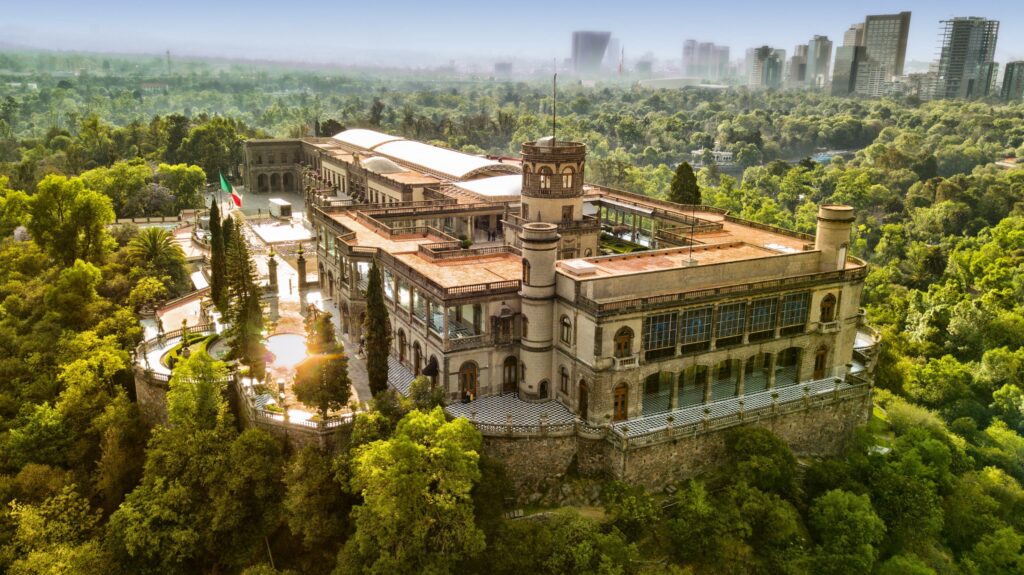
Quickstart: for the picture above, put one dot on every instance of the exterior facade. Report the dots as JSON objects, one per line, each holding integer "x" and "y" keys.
{"x": 1013, "y": 82}
{"x": 848, "y": 61}
{"x": 819, "y": 61}
{"x": 716, "y": 309}
{"x": 588, "y": 49}
{"x": 885, "y": 43}
{"x": 765, "y": 67}
{"x": 705, "y": 60}
{"x": 966, "y": 66}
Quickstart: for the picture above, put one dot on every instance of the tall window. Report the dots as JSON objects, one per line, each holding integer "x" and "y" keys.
{"x": 820, "y": 362}
{"x": 566, "y": 329}
{"x": 526, "y": 272}
{"x": 624, "y": 342}
{"x": 468, "y": 378}
{"x": 696, "y": 329}
{"x": 794, "y": 308}
{"x": 566, "y": 213}
{"x": 762, "y": 318}
{"x": 620, "y": 406}
{"x": 564, "y": 380}
{"x": 659, "y": 335}
{"x": 567, "y": 178}
{"x": 731, "y": 320}
{"x": 545, "y": 178}
{"x": 509, "y": 377}
{"x": 828, "y": 308}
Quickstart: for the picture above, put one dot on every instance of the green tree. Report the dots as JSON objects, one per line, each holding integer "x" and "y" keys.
{"x": 158, "y": 255}
{"x": 218, "y": 261}
{"x": 69, "y": 220}
{"x": 245, "y": 312}
{"x": 315, "y": 504}
{"x": 417, "y": 511}
{"x": 185, "y": 182}
{"x": 377, "y": 329}
{"x": 321, "y": 380}
{"x": 684, "y": 188}
{"x": 631, "y": 509}
{"x": 847, "y": 530}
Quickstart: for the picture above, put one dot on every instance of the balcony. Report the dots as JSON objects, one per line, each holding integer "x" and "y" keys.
{"x": 828, "y": 326}
{"x": 629, "y": 362}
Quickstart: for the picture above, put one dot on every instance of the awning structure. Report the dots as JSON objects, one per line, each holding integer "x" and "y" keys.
{"x": 624, "y": 206}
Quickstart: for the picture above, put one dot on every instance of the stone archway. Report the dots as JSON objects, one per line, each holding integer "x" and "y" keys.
{"x": 275, "y": 182}
{"x": 262, "y": 184}
{"x": 288, "y": 182}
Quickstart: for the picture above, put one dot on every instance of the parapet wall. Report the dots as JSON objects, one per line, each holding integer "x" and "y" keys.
{"x": 536, "y": 463}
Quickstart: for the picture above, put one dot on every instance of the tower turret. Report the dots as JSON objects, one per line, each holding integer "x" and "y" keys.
{"x": 540, "y": 247}
{"x": 553, "y": 181}
{"x": 833, "y": 235}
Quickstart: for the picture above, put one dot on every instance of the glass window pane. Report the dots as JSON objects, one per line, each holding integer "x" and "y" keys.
{"x": 660, "y": 331}
{"x": 696, "y": 325}
{"x": 731, "y": 319}
{"x": 762, "y": 314}
{"x": 794, "y": 309}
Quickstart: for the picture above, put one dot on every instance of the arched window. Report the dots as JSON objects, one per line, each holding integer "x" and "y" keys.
{"x": 468, "y": 379}
{"x": 417, "y": 358}
{"x": 526, "y": 272}
{"x": 620, "y": 402}
{"x": 545, "y": 178}
{"x": 563, "y": 377}
{"x": 587, "y": 253}
{"x": 526, "y": 328}
{"x": 543, "y": 393}
{"x": 401, "y": 345}
{"x": 820, "y": 363}
{"x": 259, "y": 158}
{"x": 567, "y": 175}
{"x": 828, "y": 308}
{"x": 566, "y": 329}
{"x": 624, "y": 342}
{"x": 509, "y": 377}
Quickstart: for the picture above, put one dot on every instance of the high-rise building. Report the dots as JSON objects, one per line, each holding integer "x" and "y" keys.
{"x": 588, "y": 50}
{"x": 1013, "y": 82}
{"x": 966, "y": 67}
{"x": 885, "y": 40}
{"x": 854, "y": 36}
{"x": 844, "y": 75}
{"x": 819, "y": 58}
{"x": 612, "y": 54}
{"x": 765, "y": 66}
{"x": 705, "y": 60}
{"x": 797, "y": 76}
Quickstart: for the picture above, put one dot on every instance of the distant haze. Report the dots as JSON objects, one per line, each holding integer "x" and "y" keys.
{"x": 411, "y": 33}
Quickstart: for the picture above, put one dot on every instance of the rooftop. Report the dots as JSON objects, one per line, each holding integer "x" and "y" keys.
{"x": 672, "y": 258}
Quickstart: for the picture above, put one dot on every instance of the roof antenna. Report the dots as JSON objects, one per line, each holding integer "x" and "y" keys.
{"x": 554, "y": 103}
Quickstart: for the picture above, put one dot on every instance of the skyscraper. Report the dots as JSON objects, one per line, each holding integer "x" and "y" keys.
{"x": 885, "y": 41}
{"x": 854, "y": 36}
{"x": 588, "y": 50}
{"x": 765, "y": 66}
{"x": 798, "y": 67}
{"x": 819, "y": 58}
{"x": 966, "y": 67}
{"x": 1013, "y": 82}
{"x": 705, "y": 60}
{"x": 844, "y": 75}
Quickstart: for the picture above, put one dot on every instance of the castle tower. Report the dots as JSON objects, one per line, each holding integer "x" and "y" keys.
{"x": 833, "y": 235}
{"x": 552, "y": 192}
{"x": 539, "y": 245}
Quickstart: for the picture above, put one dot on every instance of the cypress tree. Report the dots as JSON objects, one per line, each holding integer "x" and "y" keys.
{"x": 684, "y": 188}
{"x": 378, "y": 333}
{"x": 217, "y": 263}
{"x": 244, "y": 311}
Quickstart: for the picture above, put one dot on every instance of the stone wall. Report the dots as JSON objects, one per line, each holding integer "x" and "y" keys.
{"x": 536, "y": 464}
{"x": 151, "y": 398}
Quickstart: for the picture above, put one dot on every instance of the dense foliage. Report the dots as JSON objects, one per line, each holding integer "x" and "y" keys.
{"x": 931, "y": 485}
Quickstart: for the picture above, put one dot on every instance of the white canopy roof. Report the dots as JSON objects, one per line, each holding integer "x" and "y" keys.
{"x": 438, "y": 160}
{"x": 364, "y": 138}
{"x": 494, "y": 187}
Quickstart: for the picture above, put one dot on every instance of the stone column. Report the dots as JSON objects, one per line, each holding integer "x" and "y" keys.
{"x": 740, "y": 377}
{"x": 301, "y": 265}
{"x": 771, "y": 370}
{"x": 673, "y": 399}
{"x": 272, "y": 268}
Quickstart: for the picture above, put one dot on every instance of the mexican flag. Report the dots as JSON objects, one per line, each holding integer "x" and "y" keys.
{"x": 235, "y": 197}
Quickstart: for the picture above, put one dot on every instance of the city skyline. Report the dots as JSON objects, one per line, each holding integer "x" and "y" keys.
{"x": 264, "y": 30}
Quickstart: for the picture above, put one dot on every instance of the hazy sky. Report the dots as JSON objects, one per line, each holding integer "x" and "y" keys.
{"x": 374, "y": 30}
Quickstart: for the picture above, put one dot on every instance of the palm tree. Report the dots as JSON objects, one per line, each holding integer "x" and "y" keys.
{"x": 155, "y": 251}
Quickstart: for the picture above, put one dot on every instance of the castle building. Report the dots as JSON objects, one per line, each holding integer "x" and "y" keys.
{"x": 513, "y": 282}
